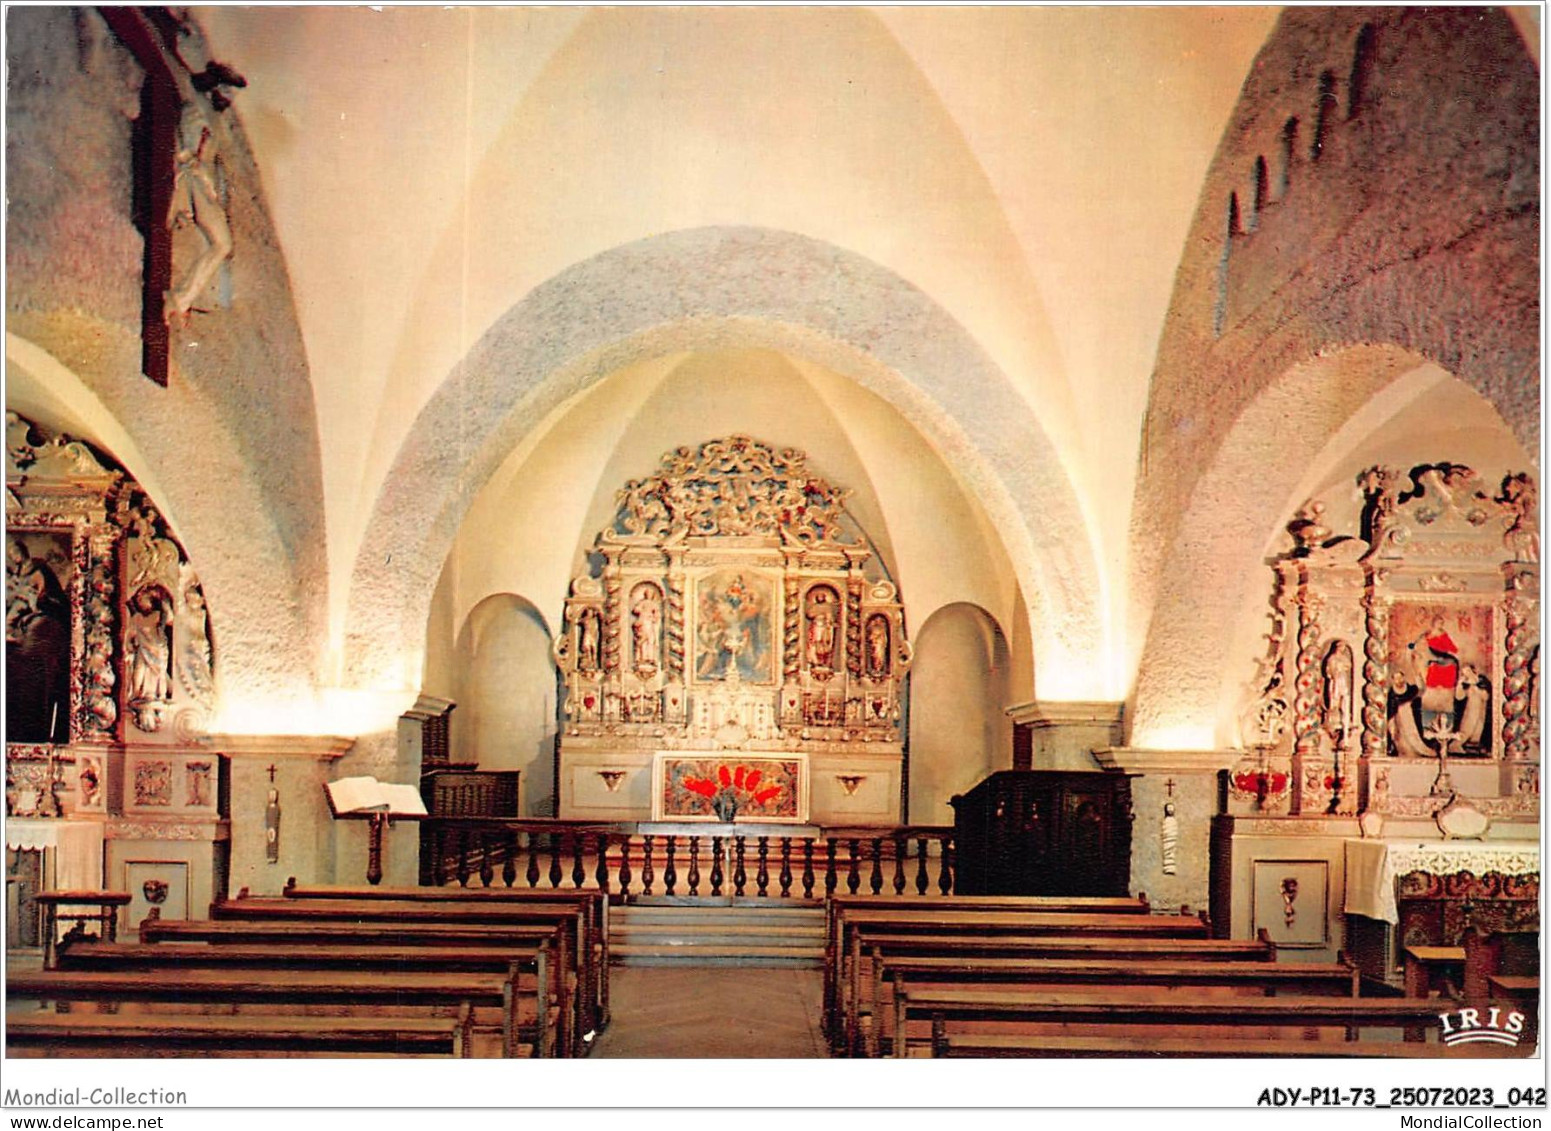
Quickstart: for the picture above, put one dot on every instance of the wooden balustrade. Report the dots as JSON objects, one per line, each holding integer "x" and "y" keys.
{"x": 763, "y": 861}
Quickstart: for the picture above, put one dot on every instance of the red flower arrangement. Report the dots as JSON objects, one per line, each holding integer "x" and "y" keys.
{"x": 733, "y": 788}
{"x": 1260, "y": 783}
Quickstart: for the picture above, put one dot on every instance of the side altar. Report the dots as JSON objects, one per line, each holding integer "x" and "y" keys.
{"x": 736, "y": 624}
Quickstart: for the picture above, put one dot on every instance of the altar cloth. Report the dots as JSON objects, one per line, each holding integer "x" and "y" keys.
{"x": 77, "y": 847}
{"x": 1373, "y": 866}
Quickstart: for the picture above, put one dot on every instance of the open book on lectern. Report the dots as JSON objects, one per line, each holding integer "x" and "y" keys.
{"x": 368, "y": 795}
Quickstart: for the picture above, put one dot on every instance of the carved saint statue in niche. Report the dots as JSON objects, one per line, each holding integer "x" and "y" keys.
{"x": 822, "y": 605}
{"x": 587, "y": 641}
{"x": 1168, "y": 840}
{"x": 1338, "y": 691}
{"x": 149, "y": 650}
{"x": 646, "y": 627}
{"x": 878, "y": 646}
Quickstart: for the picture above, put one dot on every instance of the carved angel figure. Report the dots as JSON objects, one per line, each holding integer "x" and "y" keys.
{"x": 1523, "y": 537}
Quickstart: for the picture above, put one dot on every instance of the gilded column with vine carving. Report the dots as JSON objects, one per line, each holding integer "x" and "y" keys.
{"x": 1375, "y": 666}
{"x": 612, "y": 602}
{"x": 1519, "y": 646}
{"x": 675, "y": 627}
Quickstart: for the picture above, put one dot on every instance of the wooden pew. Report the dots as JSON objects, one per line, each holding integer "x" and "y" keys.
{"x": 472, "y": 912}
{"x": 1338, "y": 979}
{"x": 1295, "y": 1014}
{"x": 418, "y": 992}
{"x": 595, "y": 902}
{"x": 1064, "y": 1047}
{"x": 33, "y": 1033}
{"x": 837, "y": 905}
{"x": 843, "y": 962}
{"x": 530, "y": 968}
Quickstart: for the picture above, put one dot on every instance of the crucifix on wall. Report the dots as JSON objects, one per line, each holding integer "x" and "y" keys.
{"x": 177, "y": 142}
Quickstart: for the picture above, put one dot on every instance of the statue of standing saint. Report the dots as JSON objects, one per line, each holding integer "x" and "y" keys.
{"x": 1168, "y": 839}
{"x": 645, "y": 630}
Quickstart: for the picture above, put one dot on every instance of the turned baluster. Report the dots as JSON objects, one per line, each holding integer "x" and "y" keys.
{"x": 648, "y": 874}
{"x": 854, "y": 876}
{"x": 486, "y": 865}
{"x": 532, "y": 874}
{"x": 463, "y": 857}
{"x": 875, "y": 881}
{"x": 807, "y": 867}
{"x": 901, "y": 856}
{"x": 509, "y": 863}
{"x": 829, "y": 866}
{"x": 578, "y": 869}
{"x": 945, "y": 877}
{"x": 624, "y": 865}
{"x": 601, "y": 843}
{"x": 694, "y": 865}
{"x": 921, "y": 865}
{"x": 716, "y": 865}
{"x": 762, "y": 877}
{"x": 739, "y": 876}
{"x": 786, "y": 867}
{"x": 555, "y": 871}
{"x": 670, "y": 874}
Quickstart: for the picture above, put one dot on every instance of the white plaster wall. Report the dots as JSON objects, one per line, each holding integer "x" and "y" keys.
{"x": 506, "y": 697}
{"x": 958, "y": 692}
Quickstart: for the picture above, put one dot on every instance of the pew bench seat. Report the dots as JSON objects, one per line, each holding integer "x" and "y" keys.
{"x": 1022, "y": 1045}
{"x": 867, "y": 1019}
{"x": 37, "y": 1032}
{"x": 379, "y": 992}
{"x": 1175, "y": 1015}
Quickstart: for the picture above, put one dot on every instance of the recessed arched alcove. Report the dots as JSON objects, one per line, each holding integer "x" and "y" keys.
{"x": 1305, "y": 435}
{"x": 504, "y": 684}
{"x": 958, "y": 695}
{"x": 716, "y": 288}
{"x": 534, "y": 527}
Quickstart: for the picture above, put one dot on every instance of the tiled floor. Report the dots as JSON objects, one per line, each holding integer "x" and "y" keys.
{"x": 713, "y": 1011}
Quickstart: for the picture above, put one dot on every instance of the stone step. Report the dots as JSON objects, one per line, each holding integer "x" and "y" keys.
{"x": 648, "y": 917}
{"x": 637, "y": 954}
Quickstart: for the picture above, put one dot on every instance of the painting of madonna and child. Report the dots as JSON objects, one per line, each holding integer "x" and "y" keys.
{"x": 1440, "y": 691}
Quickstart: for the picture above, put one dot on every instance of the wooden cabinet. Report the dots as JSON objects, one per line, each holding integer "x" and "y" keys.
{"x": 1044, "y": 832}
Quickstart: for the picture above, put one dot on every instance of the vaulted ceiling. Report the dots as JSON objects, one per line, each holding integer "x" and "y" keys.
{"x": 1033, "y": 170}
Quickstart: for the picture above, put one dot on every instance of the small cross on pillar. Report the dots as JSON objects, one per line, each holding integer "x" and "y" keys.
{"x": 1169, "y": 785}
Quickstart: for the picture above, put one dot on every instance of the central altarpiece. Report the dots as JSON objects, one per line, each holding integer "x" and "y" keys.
{"x": 736, "y": 627}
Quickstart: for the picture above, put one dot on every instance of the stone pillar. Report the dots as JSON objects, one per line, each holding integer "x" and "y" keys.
{"x": 1062, "y": 735}
{"x": 1187, "y": 781}
{"x": 302, "y": 763}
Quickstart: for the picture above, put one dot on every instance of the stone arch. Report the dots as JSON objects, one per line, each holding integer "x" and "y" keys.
{"x": 504, "y": 684}
{"x": 959, "y": 684}
{"x": 708, "y": 287}
{"x": 1416, "y": 224}
{"x": 1294, "y": 432}
{"x": 265, "y": 646}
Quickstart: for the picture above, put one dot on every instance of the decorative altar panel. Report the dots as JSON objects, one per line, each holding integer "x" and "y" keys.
{"x": 1400, "y": 679}
{"x": 735, "y": 607}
